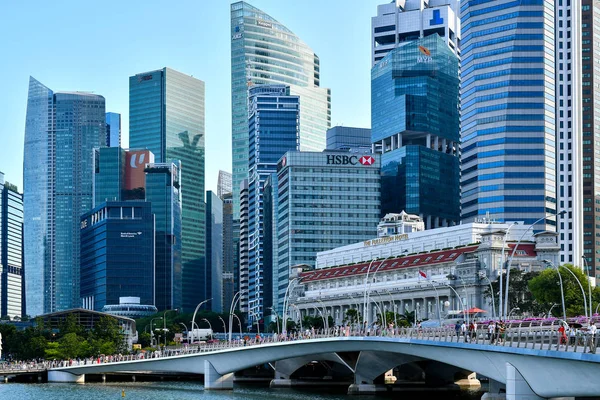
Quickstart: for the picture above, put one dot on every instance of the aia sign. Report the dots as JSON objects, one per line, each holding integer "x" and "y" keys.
{"x": 349, "y": 160}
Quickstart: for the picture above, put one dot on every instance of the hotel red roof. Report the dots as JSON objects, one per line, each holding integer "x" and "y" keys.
{"x": 416, "y": 260}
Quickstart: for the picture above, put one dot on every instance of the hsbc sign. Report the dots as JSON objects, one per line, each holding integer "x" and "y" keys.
{"x": 349, "y": 160}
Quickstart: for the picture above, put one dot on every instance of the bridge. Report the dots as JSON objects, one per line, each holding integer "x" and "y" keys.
{"x": 527, "y": 364}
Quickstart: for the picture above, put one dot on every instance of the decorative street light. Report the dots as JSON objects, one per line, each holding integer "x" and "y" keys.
{"x": 582, "y": 291}
{"x": 453, "y": 278}
{"x": 224, "y": 327}
{"x": 299, "y": 315}
{"x": 186, "y": 331}
{"x": 194, "y": 317}
{"x": 365, "y": 305}
{"x": 236, "y": 298}
{"x": 152, "y": 331}
{"x": 456, "y": 293}
{"x": 165, "y": 330}
{"x": 563, "y": 212}
{"x": 587, "y": 268}
{"x": 550, "y": 310}
{"x": 286, "y": 300}
{"x": 562, "y": 293}
{"x": 208, "y": 322}
{"x": 502, "y": 268}
{"x": 239, "y": 323}
{"x": 513, "y": 309}
{"x": 482, "y": 275}
{"x": 276, "y": 317}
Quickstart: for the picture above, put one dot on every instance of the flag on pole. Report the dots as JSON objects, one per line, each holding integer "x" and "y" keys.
{"x": 423, "y": 274}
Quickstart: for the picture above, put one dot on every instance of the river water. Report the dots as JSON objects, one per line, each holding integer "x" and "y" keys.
{"x": 182, "y": 391}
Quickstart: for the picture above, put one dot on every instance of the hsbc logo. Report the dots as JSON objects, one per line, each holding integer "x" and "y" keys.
{"x": 366, "y": 160}
{"x": 349, "y": 160}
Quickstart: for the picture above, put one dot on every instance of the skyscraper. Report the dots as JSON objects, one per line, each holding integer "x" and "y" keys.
{"x": 508, "y": 111}
{"x": 213, "y": 279}
{"x": 230, "y": 263}
{"x": 274, "y": 128}
{"x": 163, "y": 192}
{"x": 113, "y": 129}
{"x": 11, "y": 251}
{"x": 265, "y": 51}
{"x": 407, "y": 20}
{"x": 415, "y": 125}
{"x": 590, "y": 52}
{"x": 345, "y": 138}
{"x": 166, "y": 116}
{"x": 242, "y": 285}
{"x": 61, "y": 130}
{"x": 224, "y": 184}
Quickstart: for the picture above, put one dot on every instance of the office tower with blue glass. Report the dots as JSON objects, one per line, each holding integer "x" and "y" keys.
{"x": 345, "y": 138}
{"x": 415, "y": 126}
{"x": 508, "y": 114}
{"x": 117, "y": 254}
{"x": 61, "y": 131}
{"x": 113, "y": 129}
{"x": 166, "y": 116}
{"x": 163, "y": 192}
{"x": 230, "y": 254}
{"x": 324, "y": 200}
{"x": 213, "y": 273}
{"x": 243, "y": 285}
{"x": 274, "y": 129}
{"x": 406, "y": 20}
{"x": 11, "y": 251}
{"x": 264, "y": 51}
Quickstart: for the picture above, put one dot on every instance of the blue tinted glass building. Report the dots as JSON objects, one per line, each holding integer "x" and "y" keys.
{"x": 508, "y": 111}
{"x": 274, "y": 129}
{"x": 213, "y": 279}
{"x": 163, "y": 192}
{"x": 61, "y": 130}
{"x": 264, "y": 51}
{"x": 415, "y": 125}
{"x": 117, "y": 254}
{"x": 11, "y": 251}
{"x": 345, "y": 138}
{"x": 113, "y": 129}
{"x": 109, "y": 174}
{"x": 166, "y": 116}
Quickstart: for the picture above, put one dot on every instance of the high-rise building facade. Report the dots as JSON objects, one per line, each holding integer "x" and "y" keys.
{"x": 113, "y": 129}
{"x": 230, "y": 262}
{"x": 117, "y": 253}
{"x": 590, "y": 94}
{"x": 406, "y": 20}
{"x": 508, "y": 111}
{"x": 163, "y": 192}
{"x": 264, "y": 51}
{"x": 274, "y": 129}
{"x": 61, "y": 130}
{"x": 324, "y": 200}
{"x": 166, "y": 116}
{"x": 242, "y": 285}
{"x": 12, "y": 295}
{"x": 415, "y": 125}
{"x": 224, "y": 184}
{"x": 345, "y": 138}
{"x": 213, "y": 286}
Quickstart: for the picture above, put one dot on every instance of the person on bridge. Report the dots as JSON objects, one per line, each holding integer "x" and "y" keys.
{"x": 563, "y": 334}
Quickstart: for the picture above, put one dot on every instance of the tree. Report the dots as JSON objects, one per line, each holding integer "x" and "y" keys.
{"x": 352, "y": 316}
{"x": 70, "y": 346}
{"x": 519, "y": 293}
{"x": 546, "y": 290}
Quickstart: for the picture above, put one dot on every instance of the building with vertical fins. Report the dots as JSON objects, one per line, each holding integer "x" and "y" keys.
{"x": 164, "y": 194}
{"x": 406, "y": 20}
{"x": 274, "y": 128}
{"x": 61, "y": 131}
{"x": 508, "y": 111}
{"x": 11, "y": 251}
{"x": 113, "y": 129}
{"x": 263, "y": 51}
{"x": 213, "y": 279}
{"x": 166, "y": 116}
{"x": 590, "y": 95}
{"x": 230, "y": 262}
{"x": 243, "y": 286}
{"x": 415, "y": 126}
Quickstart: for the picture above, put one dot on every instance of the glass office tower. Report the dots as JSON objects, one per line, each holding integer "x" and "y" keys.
{"x": 508, "y": 112}
{"x": 274, "y": 129}
{"x": 213, "y": 279}
{"x": 61, "y": 130}
{"x": 163, "y": 192}
{"x": 415, "y": 125}
{"x": 265, "y": 51}
{"x": 166, "y": 116}
{"x": 113, "y": 129}
{"x": 11, "y": 251}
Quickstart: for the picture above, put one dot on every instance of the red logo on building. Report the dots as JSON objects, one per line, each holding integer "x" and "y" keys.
{"x": 366, "y": 160}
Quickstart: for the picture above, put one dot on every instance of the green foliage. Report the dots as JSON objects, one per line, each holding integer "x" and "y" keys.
{"x": 352, "y": 316}
{"x": 546, "y": 290}
{"x": 519, "y": 293}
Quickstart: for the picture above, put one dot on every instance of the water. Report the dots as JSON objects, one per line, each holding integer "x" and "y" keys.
{"x": 182, "y": 391}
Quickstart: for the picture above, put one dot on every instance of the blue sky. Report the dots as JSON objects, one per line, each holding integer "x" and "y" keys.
{"x": 96, "y": 46}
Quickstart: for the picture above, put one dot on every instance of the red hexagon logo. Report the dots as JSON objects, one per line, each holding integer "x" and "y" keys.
{"x": 366, "y": 160}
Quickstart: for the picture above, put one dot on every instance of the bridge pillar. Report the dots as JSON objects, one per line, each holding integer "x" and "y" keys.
{"x": 214, "y": 380}
{"x": 65, "y": 377}
{"x": 517, "y": 387}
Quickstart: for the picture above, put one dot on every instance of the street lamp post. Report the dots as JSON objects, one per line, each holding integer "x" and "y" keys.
{"x": 456, "y": 293}
{"x": 513, "y": 309}
{"x": 236, "y": 298}
{"x": 194, "y": 317}
{"x": 152, "y": 331}
{"x": 365, "y": 305}
{"x": 587, "y": 268}
{"x": 502, "y": 267}
{"x": 276, "y": 318}
{"x": 454, "y": 277}
{"x": 286, "y": 300}
{"x": 224, "y": 327}
{"x": 562, "y": 293}
{"x": 208, "y": 322}
{"x": 482, "y": 275}
{"x": 239, "y": 323}
{"x": 165, "y": 330}
{"x": 513, "y": 254}
{"x": 582, "y": 291}
{"x": 186, "y": 330}
{"x": 550, "y": 310}
{"x": 299, "y": 315}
